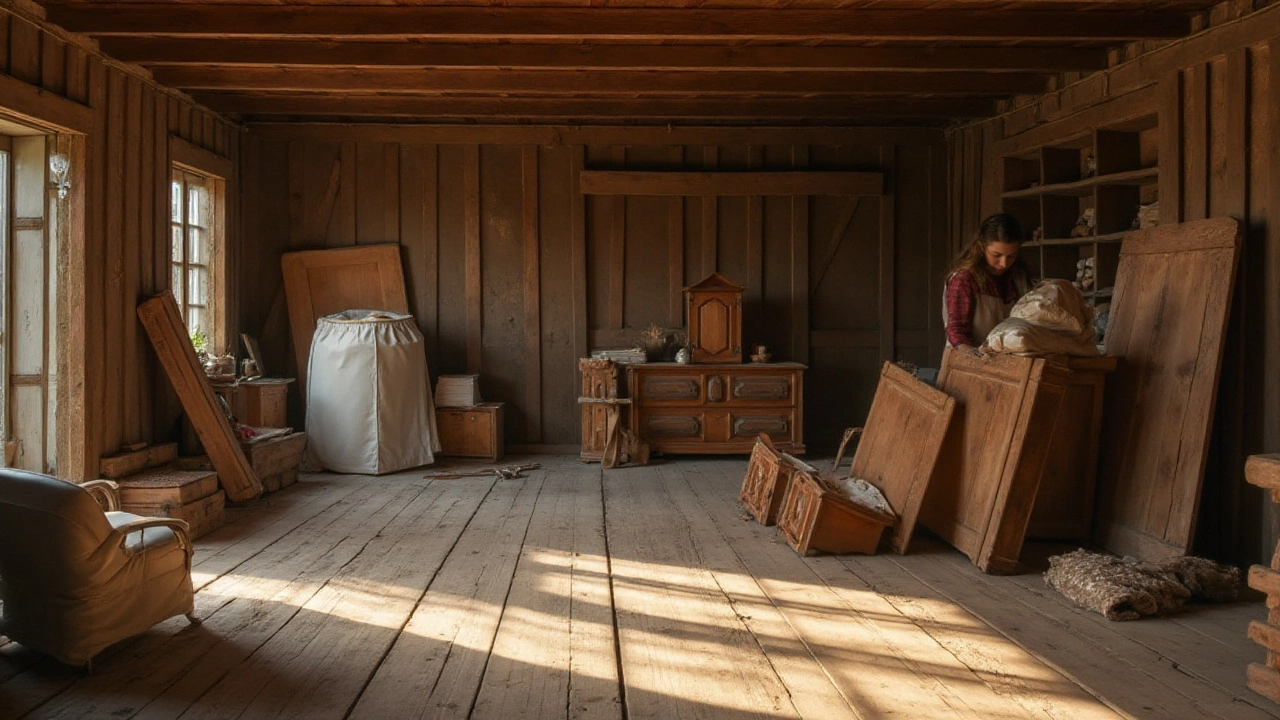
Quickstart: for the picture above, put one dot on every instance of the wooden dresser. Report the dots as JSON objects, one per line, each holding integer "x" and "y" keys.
{"x": 717, "y": 408}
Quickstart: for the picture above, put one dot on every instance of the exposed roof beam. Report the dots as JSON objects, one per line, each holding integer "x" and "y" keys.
{"x": 214, "y": 20}
{"x": 762, "y": 110}
{"x": 181, "y": 51}
{"x": 595, "y": 81}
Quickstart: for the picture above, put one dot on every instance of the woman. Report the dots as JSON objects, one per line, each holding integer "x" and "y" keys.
{"x": 985, "y": 279}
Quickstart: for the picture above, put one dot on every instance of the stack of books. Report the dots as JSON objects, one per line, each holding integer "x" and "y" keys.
{"x": 458, "y": 391}
{"x": 622, "y": 356}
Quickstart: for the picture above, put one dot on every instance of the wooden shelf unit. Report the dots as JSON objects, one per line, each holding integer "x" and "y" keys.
{"x": 1048, "y": 187}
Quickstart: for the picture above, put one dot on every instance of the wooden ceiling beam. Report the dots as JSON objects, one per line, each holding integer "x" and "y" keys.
{"x": 155, "y": 51}
{"x": 524, "y": 82}
{"x": 504, "y": 109}
{"x": 219, "y": 20}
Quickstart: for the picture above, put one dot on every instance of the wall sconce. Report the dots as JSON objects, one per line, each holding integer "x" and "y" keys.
{"x": 59, "y": 165}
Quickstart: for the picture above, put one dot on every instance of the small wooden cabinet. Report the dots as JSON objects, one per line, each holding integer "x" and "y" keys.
{"x": 716, "y": 408}
{"x": 714, "y": 308}
{"x": 471, "y": 431}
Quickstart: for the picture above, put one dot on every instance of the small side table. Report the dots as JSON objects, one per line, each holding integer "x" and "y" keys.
{"x": 263, "y": 402}
{"x": 471, "y": 431}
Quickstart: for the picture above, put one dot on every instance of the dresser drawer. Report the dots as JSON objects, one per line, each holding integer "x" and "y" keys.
{"x": 664, "y": 427}
{"x": 471, "y": 432}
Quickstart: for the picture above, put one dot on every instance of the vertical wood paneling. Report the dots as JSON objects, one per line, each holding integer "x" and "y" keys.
{"x": 115, "y": 300}
{"x": 471, "y": 240}
{"x": 710, "y": 231}
{"x": 134, "y": 187}
{"x": 1268, "y": 171}
{"x": 298, "y": 176}
{"x": 888, "y": 240}
{"x": 617, "y": 267}
{"x": 939, "y": 248}
{"x": 532, "y": 293}
{"x": 559, "y": 210}
{"x": 753, "y": 296}
{"x": 342, "y": 223}
{"x": 24, "y": 50}
{"x": 4, "y": 41}
{"x": 53, "y": 65}
{"x": 502, "y": 277}
{"x": 800, "y": 265}
{"x": 418, "y": 236}
{"x": 1195, "y": 204}
{"x": 578, "y": 237}
{"x": 1170, "y": 147}
{"x": 675, "y": 247}
{"x": 77, "y": 75}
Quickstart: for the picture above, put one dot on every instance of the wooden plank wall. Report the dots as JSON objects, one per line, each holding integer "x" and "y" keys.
{"x": 1218, "y": 99}
{"x": 512, "y": 273}
{"x": 111, "y": 391}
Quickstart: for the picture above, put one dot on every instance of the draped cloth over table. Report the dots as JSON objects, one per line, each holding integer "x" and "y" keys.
{"x": 369, "y": 406}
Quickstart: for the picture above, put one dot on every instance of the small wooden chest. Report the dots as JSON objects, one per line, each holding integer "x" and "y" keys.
{"x": 471, "y": 431}
{"x": 818, "y": 517}
{"x": 263, "y": 402}
{"x": 203, "y": 515}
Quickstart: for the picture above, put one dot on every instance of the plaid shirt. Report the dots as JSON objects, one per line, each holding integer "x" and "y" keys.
{"x": 963, "y": 289}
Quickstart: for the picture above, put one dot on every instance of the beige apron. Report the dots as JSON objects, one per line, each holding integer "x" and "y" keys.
{"x": 988, "y": 310}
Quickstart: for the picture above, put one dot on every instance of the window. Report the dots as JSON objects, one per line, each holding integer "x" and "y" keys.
{"x": 194, "y": 221}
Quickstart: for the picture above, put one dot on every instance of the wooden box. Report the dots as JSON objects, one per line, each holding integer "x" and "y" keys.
{"x": 472, "y": 431}
{"x": 263, "y": 402}
{"x": 166, "y": 487}
{"x": 714, "y": 308}
{"x": 816, "y": 516}
{"x": 277, "y": 460}
{"x": 203, "y": 515}
{"x": 768, "y": 478}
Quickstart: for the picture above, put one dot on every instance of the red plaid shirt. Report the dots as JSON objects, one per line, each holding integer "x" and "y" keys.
{"x": 963, "y": 289}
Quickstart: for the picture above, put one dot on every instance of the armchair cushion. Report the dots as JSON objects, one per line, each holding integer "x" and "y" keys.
{"x": 75, "y": 579}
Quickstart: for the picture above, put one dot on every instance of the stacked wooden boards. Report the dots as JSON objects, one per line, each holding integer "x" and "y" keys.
{"x": 1264, "y": 678}
{"x": 152, "y": 482}
{"x": 163, "y": 322}
{"x": 1168, "y": 321}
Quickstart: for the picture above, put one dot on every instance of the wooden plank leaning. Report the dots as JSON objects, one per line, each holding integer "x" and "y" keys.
{"x": 163, "y": 322}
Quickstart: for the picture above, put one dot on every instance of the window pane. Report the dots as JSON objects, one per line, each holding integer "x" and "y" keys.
{"x": 175, "y": 202}
{"x": 198, "y": 286}
{"x": 196, "y": 246}
{"x": 197, "y": 212}
{"x": 176, "y": 280}
{"x": 198, "y": 319}
{"x": 175, "y": 243}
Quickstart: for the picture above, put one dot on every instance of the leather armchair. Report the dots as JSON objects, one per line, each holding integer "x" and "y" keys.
{"x": 77, "y": 576}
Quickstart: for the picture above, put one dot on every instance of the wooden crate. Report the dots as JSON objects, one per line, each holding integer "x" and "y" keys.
{"x": 166, "y": 486}
{"x": 277, "y": 460}
{"x": 127, "y": 463}
{"x": 817, "y": 517}
{"x": 768, "y": 478}
{"x": 203, "y": 515}
{"x": 1264, "y": 679}
{"x": 263, "y": 402}
{"x": 472, "y": 431}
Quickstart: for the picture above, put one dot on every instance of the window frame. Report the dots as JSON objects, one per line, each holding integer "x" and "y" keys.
{"x": 216, "y": 171}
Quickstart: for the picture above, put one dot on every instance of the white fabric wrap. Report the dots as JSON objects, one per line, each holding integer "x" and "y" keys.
{"x": 1051, "y": 319}
{"x": 369, "y": 407}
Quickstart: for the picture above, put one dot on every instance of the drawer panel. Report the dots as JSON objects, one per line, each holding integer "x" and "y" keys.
{"x": 670, "y": 388}
{"x": 758, "y": 388}
{"x": 749, "y": 426}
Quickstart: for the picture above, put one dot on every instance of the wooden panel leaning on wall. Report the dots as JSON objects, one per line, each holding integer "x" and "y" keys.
{"x": 1168, "y": 322}
{"x": 161, "y": 318}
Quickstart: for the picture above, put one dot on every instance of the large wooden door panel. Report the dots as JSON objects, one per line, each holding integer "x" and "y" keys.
{"x": 323, "y": 282}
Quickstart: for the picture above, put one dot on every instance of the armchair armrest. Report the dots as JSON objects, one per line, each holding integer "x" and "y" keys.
{"x": 106, "y": 492}
{"x": 179, "y": 528}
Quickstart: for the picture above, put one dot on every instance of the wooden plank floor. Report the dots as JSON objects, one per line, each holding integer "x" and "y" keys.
{"x": 641, "y": 592}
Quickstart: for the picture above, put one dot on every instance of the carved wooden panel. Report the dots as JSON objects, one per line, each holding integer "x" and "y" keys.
{"x": 671, "y": 426}
{"x": 753, "y": 425}
{"x": 670, "y": 388}
{"x": 776, "y": 387}
{"x": 715, "y": 389}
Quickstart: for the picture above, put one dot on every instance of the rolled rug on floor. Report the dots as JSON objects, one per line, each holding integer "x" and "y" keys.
{"x": 1117, "y": 589}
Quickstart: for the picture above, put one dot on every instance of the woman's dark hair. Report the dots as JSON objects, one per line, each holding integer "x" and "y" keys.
{"x": 1000, "y": 227}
